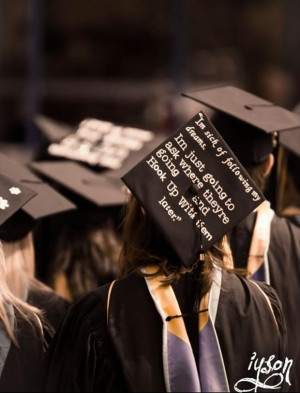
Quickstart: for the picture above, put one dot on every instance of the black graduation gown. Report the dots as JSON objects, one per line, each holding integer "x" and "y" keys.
{"x": 284, "y": 267}
{"x": 22, "y": 368}
{"x": 54, "y": 306}
{"x": 86, "y": 355}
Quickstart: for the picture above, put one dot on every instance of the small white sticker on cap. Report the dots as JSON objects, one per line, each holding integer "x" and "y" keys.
{"x": 15, "y": 190}
{"x": 3, "y": 203}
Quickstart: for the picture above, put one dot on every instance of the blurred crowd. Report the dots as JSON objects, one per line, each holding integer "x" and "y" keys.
{"x": 98, "y": 292}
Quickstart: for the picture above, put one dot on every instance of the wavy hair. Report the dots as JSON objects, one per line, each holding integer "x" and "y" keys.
{"x": 258, "y": 174}
{"x": 143, "y": 245}
{"x": 20, "y": 267}
{"x": 86, "y": 256}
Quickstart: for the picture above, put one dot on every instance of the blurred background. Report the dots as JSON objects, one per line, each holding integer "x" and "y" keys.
{"x": 127, "y": 61}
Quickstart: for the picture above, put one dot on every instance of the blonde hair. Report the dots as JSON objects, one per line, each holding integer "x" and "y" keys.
{"x": 19, "y": 261}
{"x": 20, "y": 267}
{"x": 12, "y": 283}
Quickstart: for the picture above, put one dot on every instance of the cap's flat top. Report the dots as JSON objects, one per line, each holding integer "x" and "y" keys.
{"x": 13, "y": 195}
{"x": 247, "y": 107}
{"x": 100, "y": 189}
{"x": 47, "y": 201}
{"x": 136, "y": 157}
{"x": 103, "y": 144}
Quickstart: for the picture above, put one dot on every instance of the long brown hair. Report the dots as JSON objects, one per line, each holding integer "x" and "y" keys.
{"x": 144, "y": 245}
{"x": 86, "y": 254}
{"x": 258, "y": 174}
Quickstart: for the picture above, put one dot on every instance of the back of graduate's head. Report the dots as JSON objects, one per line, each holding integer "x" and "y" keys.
{"x": 144, "y": 245}
{"x": 85, "y": 251}
{"x": 14, "y": 226}
{"x": 252, "y": 147}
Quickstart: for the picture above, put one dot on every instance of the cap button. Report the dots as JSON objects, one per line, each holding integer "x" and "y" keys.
{"x": 194, "y": 189}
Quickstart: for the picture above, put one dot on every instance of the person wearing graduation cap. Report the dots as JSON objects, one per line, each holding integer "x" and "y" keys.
{"x": 87, "y": 249}
{"x": 23, "y": 335}
{"x": 179, "y": 319}
{"x": 267, "y": 245}
{"x": 16, "y": 235}
{"x": 84, "y": 253}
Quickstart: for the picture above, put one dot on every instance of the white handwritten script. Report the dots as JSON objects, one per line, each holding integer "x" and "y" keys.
{"x": 198, "y": 154}
{"x": 270, "y": 374}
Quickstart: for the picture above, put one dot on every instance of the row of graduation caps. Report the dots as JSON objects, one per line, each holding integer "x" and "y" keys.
{"x": 26, "y": 198}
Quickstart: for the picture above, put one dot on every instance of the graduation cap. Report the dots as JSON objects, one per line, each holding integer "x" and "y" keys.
{"x": 102, "y": 144}
{"x": 46, "y": 201}
{"x": 245, "y": 121}
{"x": 100, "y": 189}
{"x": 194, "y": 188}
{"x": 13, "y": 195}
{"x": 83, "y": 184}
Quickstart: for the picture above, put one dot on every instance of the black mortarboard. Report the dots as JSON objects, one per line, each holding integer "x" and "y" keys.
{"x": 99, "y": 189}
{"x": 102, "y": 189}
{"x": 194, "y": 188}
{"x": 102, "y": 144}
{"x": 13, "y": 195}
{"x": 245, "y": 121}
{"x": 46, "y": 202}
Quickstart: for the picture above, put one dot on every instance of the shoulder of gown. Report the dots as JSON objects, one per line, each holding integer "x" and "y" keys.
{"x": 255, "y": 311}
{"x": 81, "y": 357}
{"x": 22, "y": 364}
{"x": 276, "y": 306}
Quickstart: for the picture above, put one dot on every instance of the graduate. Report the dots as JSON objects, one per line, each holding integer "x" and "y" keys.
{"x": 267, "y": 245}
{"x": 16, "y": 235}
{"x": 23, "y": 334}
{"x": 87, "y": 249}
{"x": 179, "y": 319}
{"x": 84, "y": 253}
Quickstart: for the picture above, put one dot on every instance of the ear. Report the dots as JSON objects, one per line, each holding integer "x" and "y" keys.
{"x": 269, "y": 164}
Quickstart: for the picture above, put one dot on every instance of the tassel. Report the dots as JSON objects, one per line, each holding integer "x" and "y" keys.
{"x": 169, "y": 318}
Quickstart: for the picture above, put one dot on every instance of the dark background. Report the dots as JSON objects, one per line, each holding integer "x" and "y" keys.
{"x": 127, "y": 61}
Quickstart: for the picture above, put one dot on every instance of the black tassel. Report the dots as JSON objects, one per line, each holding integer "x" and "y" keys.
{"x": 169, "y": 318}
